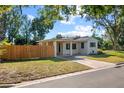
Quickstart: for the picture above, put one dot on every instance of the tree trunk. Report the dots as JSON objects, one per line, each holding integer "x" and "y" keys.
{"x": 116, "y": 45}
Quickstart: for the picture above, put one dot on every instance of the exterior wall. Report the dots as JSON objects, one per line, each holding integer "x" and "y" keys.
{"x": 92, "y": 49}
{"x": 65, "y": 52}
{"x": 85, "y": 50}
{"x": 78, "y": 49}
{"x": 75, "y": 51}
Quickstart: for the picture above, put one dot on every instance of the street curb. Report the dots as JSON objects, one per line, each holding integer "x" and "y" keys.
{"x": 23, "y": 84}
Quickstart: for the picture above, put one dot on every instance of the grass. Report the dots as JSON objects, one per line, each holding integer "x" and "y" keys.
{"x": 16, "y": 72}
{"x": 109, "y": 56}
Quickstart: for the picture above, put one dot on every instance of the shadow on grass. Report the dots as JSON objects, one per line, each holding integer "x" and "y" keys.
{"x": 116, "y": 53}
{"x": 35, "y": 60}
{"x": 121, "y": 52}
{"x": 100, "y": 55}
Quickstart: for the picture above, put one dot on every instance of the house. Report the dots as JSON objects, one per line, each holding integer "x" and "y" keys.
{"x": 72, "y": 46}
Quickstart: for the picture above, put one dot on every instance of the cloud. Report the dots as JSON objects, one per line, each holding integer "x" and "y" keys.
{"x": 83, "y": 28}
{"x": 73, "y": 17}
{"x": 30, "y": 17}
{"x": 79, "y": 31}
{"x": 70, "y": 21}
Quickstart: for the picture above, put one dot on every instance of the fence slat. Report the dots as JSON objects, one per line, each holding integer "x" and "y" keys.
{"x": 14, "y": 52}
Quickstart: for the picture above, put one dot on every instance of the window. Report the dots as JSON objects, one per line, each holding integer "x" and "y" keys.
{"x": 67, "y": 46}
{"x": 92, "y": 44}
{"x": 73, "y": 46}
{"x": 82, "y": 45}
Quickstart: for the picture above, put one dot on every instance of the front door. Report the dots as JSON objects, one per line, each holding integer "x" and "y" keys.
{"x": 59, "y": 49}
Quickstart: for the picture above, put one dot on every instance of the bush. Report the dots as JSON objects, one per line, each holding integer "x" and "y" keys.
{"x": 4, "y": 42}
{"x": 107, "y": 45}
{"x": 2, "y": 49}
{"x": 99, "y": 52}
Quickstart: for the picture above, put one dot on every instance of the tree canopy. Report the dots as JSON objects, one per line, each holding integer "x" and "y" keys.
{"x": 4, "y": 9}
{"x": 107, "y": 18}
{"x": 19, "y": 29}
{"x": 15, "y": 25}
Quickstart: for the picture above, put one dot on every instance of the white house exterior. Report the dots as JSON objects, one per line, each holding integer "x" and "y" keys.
{"x": 72, "y": 46}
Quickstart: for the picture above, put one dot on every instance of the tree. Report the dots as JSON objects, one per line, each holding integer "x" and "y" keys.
{"x": 10, "y": 21}
{"x": 2, "y": 27}
{"x": 52, "y": 13}
{"x": 25, "y": 28}
{"x": 4, "y": 9}
{"x": 3, "y": 41}
{"x": 121, "y": 40}
{"x": 39, "y": 28}
{"x": 15, "y": 25}
{"x": 59, "y": 36}
{"x": 109, "y": 18}
{"x": 20, "y": 40}
{"x": 100, "y": 40}
{"x": 107, "y": 45}
{"x": 5, "y": 17}
{"x": 14, "y": 22}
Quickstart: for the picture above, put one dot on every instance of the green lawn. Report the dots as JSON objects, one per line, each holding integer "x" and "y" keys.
{"x": 15, "y": 72}
{"x": 109, "y": 56}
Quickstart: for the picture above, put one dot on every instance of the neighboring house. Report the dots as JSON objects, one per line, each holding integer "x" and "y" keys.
{"x": 72, "y": 46}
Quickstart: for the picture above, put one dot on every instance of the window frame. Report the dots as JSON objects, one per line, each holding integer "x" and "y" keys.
{"x": 92, "y": 44}
{"x": 67, "y": 46}
{"x": 74, "y": 46}
{"x": 81, "y": 45}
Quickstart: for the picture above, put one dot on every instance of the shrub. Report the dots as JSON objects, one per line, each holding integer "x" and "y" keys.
{"x": 2, "y": 49}
{"x": 99, "y": 52}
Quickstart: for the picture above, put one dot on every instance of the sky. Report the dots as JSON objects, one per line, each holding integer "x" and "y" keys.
{"x": 76, "y": 26}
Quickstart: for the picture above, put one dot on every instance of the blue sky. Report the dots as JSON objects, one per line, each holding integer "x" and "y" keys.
{"x": 75, "y": 26}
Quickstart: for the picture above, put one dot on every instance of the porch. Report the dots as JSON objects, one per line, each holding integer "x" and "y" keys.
{"x": 70, "y": 48}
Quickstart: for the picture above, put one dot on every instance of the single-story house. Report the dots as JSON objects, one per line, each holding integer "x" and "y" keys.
{"x": 72, "y": 46}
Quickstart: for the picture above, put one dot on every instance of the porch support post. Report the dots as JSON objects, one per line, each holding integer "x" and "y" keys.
{"x": 71, "y": 48}
{"x": 88, "y": 48}
{"x": 55, "y": 49}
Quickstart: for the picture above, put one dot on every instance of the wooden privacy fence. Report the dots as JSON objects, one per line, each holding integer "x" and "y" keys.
{"x": 14, "y": 52}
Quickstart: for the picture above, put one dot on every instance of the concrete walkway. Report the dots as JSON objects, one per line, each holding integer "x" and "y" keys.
{"x": 94, "y": 63}
{"x": 91, "y": 63}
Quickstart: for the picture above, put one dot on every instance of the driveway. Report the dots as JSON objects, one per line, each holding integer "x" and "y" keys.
{"x": 91, "y": 63}
{"x": 112, "y": 77}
